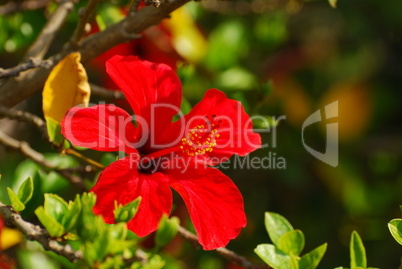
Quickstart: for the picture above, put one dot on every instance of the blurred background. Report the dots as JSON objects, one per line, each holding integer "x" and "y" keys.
{"x": 278, "y": 57}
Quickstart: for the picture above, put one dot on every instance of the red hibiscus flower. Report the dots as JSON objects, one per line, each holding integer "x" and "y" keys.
{"x": 164, "y": 154}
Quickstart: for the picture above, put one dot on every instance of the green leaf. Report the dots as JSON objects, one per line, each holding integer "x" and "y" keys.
{"x": 108, "y": 14}
{"x": 313, "y": 258}
{"x": 29, "y": 259}
{"x": 112, "y": 262}
{"x": 52, "y": 226}
{"x": 266, "y": 88}
{"x": 61, "y": 161}
{"x": 54, "y": 131}
{"x": 275, "y": 258}
{"x": 15, "y": 201}
{"x": 332, "y": 3}
{"x": 276, "y": 226}
{"x": 53, "y": 182}
{"x": 231, "y": 35}
{"x": 25, "y": 169}
{"x": 154, "y": 262}
{"x": 108, "y": 158}
{"x": 357, "y": 251}
{"x": 292, "y": 242}
{"x": 237, "y": 78}
{"x": 26, "y": 190}
{"x": 70, "y": 218}
{"x": 167, "y": 230}
{"x": 127, "y": 212}
{"x": 118, "y": 231}
{"x": 395, "y": 227}
{"x": 55, "y": 207}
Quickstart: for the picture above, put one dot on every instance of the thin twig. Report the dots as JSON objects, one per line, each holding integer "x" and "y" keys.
{"x": 42, "y": 43}
{"x": 106, "y": 93}
{"x": 25, "y": 117}
{"x": 84, "y": 15}
{"x": 224, "y": 252}
{"x": 36, "y": 233}
{"x": 30, "y": 64}
{"x": 14, "y": 6}
{"x": 82, "y": 157}
{"x": 38, "y": 157}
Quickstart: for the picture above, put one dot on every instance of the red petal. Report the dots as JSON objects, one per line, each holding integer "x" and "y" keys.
{"x": 145, "y": 84}
{"x": 214, "y": 203}
{"x": 100, "y": 127}
{"x": 122, "y": 182}
{"x": 236, "y": 135}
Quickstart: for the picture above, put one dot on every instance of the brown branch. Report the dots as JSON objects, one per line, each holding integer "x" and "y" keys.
{"x": 42, "y": 43}
{"x": 79, "y": 31}
{"x": 30, "y": 64}
{"x": 14, "y": 90}
{"x": 24, "y": 116}
{"x": 106, "y": 93}
{"x": 36, "y": 233}
{"x": 37, "y": 157}
{"x": 224, "y": 252}
{"x": 13, "y": 6}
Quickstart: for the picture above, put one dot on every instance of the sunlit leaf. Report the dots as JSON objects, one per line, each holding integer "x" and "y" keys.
{"x": 29, "y": 259}
{"x": 276, "y": 226}
{"x": 127, "y": 212}
{"x": 26, "y": 190}
{"x": 155, "y": 262}
{"x": 313, "y": 258}
{"x": 237, "y": 78}
{"x": 395, "y": 227}
{"x": 54, "y": 131}
{"x": 55, "y": 207}
{"x": 357, "y": 251}
{"x": 275, "y": 258}
{"x": 108, "y": 14}
{"x": 15, "y": 201}
{"x": 292, "y": 242}
{"x": 167, "y": 230}
{"x": 52, "y": 226}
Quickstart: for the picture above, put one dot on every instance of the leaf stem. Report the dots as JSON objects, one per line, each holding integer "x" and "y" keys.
{"x": 79, "y": 155}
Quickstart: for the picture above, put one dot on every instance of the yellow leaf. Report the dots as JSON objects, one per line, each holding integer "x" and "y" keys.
{"x": 188, "y": 40}
{"x": 66, "y": 87}
{"x": 9, "y": 237}
{"x": 355, "y": 108}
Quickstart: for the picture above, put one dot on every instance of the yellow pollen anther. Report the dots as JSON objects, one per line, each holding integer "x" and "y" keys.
{"x": 200, "y": 140}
